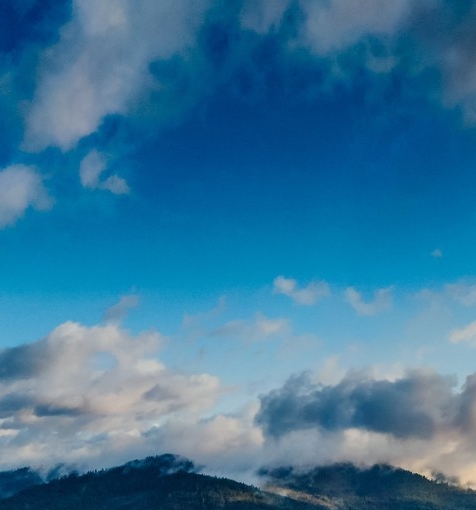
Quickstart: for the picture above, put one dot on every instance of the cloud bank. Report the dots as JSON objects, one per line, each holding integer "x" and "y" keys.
{"x": 421, "y": 421}
{"x": 99, "y": 395}
{"x": 86, "y": 392}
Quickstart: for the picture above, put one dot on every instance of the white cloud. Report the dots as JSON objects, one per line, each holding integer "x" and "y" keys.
{"x": 90, "y": 170}
{"x": 382, "y": 300}
{"x": 101, "y": 64}
{"x": 228, "y": 445}
{"x": 21, "y": 187}
{"x": 308, "y": 295}
{"x": 466, "y": 334}
{"x": 436, "y": 253}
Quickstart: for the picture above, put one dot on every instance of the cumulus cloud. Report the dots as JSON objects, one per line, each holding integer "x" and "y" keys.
{"x": 382, "y": 300}
{"x": 90, "y": 171}
{"x": 83, "y": 391}
{"x": 21, "y": 187}
{"x": 308, "y": 295}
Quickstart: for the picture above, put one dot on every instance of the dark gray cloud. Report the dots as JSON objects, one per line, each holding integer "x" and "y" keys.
{"x": 466, "y": 417}
{"x": 416, "y": 406}
{"x": 24, "y": 361}
{"x": 13, "y": 403}
{"x": 52, "y": 410}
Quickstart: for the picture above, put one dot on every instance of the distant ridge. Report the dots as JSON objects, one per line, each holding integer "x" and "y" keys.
{"x": 169, "y": 482}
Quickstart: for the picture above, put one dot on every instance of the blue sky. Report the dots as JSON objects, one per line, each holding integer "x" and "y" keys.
{"x": 239, "y": 231}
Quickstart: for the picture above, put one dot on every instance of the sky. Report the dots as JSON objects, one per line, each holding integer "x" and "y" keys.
{"x": 242, "y": 231}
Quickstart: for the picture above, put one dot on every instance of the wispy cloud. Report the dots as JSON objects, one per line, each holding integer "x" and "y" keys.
{"x": 466, "y": 335}
{"x": 308, "y": 295}
{"x": 258, "y": 329}
{"x": 382, "y": 300}
{"x": 117, "y": 312}
{"x": 463, "y": 292}
{"x": 336, "y": 25}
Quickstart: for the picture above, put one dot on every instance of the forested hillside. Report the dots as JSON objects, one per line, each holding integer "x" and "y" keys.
{"x": 380, "y": 487}
{"x": 168, "y": 482}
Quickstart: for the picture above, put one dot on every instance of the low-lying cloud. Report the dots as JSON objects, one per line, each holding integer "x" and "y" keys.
{"x": 422, "y": 421}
